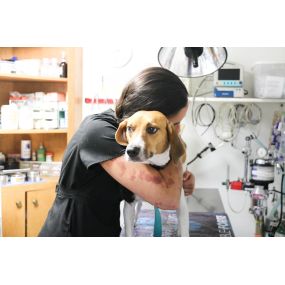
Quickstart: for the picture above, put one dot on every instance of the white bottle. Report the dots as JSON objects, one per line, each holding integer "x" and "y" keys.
{"x": 26, "y": 117}
{"x": 26, "y": 150}
{"x": 9, "y": 117}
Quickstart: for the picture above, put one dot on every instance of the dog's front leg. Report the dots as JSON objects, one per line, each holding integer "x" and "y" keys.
{"x": 183, "y": 217}
{"x": 129, "y": 218}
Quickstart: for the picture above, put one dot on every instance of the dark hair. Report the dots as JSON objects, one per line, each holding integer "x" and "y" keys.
{"x": 153, "y": 89}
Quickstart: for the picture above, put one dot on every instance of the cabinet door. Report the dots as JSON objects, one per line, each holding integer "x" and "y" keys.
{"x": 38, "y": 204}
{"x": 13, "y": 212}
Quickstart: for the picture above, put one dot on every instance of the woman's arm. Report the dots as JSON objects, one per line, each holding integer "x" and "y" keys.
{"x": 159, "y": 187}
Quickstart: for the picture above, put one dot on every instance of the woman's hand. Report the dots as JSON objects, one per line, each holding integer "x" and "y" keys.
{"x": 188, "y": 183}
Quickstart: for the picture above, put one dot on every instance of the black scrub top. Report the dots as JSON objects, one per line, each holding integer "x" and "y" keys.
{"x": 88, "y": 198}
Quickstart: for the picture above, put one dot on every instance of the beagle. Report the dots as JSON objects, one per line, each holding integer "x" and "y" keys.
{"x": 150, "y": 138}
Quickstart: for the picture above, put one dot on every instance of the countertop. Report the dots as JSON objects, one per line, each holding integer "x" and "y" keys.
{"x": 205, "y": 200}
{"x": 46, "y": 180}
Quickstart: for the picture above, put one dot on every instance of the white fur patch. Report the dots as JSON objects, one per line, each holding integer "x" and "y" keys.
{"x": 160, "y": 159}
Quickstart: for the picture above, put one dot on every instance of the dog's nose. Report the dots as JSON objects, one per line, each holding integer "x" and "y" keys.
{"x": 133, "y": 152}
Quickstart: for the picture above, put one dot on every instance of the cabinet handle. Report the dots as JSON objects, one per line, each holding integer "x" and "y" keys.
{"x": 35, "y": 202}
{"x": 19, "y": 205}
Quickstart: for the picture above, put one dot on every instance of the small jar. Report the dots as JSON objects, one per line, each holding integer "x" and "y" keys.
{"x": 49, "y": 157}
{"x": 34, "y": 176}
{"x": 3, "y": 179}
{"x": 18, "y": 178}
{"x": 34, "y": 156}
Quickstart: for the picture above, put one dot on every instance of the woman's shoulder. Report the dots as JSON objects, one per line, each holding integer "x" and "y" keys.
{"x": 96, "y": 139}
{"x": 98, "y": 127}
{"x": 101, "y": 119}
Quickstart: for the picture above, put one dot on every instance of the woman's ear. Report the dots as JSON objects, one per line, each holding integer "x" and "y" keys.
{"x": 120, "y": 135}
{"x": 177, "y": 148}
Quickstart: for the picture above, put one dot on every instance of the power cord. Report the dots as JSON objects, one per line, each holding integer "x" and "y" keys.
{"x": 198, "y": 118}
{"x": 275, "y": 191}
{"x": 252, "y": 114}
{"x": 230, "y": 204}
{"x": 226, "y": 127}
{"x": 231, "y": 117}
{"x": 196, "y": 93}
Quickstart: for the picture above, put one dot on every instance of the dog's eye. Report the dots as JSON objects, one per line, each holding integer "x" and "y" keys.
{"x": 129, "y": 129}
{"x": 151, "y": 130}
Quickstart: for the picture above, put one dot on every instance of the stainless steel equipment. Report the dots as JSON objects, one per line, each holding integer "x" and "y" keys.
{"x": 4, "y": 179}
{"x": 258, "y": 174}
{"x": 34, "y": 176}
{"x": 17, "y": 176}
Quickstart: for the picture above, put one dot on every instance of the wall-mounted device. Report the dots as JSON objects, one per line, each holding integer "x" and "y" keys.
{"x": 228, "y": 82}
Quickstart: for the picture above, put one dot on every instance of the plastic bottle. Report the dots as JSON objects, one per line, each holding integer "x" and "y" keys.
{"x": 26, "y": 149}
{"x": 63, "y": 66}
{"x": 34, "y": 156}
{"x": 41, "y": 153}
{"x": 61, "y": 117}
{"x": 49, "y": 156}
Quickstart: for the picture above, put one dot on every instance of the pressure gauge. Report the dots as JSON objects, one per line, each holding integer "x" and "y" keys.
{"x": 261, "y": 152}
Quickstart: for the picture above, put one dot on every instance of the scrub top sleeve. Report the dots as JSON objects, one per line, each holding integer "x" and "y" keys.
{"x": 98, "y": 143}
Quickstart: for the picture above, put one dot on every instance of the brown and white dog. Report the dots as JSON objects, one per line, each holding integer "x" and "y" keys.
{"x": 150, "y": 138}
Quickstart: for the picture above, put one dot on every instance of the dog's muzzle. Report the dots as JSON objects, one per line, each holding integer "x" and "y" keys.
{"x": 133, "y": 152}
{"x": 136, "y": 153}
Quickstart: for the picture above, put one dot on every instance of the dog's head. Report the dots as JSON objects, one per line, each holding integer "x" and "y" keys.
{"x": 150, "y": 138}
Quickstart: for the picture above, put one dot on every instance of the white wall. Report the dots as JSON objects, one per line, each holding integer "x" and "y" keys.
{"x": 102, "y": 79}
{"x": 211, "y": 170}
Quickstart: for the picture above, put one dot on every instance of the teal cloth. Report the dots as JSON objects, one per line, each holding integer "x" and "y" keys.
{"x": 157, "y": 230}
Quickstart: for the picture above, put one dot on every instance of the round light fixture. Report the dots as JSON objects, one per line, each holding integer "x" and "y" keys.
{"x": 192, "y": 61}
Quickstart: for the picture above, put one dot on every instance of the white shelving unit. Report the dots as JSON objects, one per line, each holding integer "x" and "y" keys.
{"x": 237, "y": 100}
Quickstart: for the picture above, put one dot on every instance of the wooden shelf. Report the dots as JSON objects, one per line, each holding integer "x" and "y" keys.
{"x": 28, "y": 78}
{"x": 237, "y": 100}
{"x": 34, "y": 131}
{"x": 20, "y": 215}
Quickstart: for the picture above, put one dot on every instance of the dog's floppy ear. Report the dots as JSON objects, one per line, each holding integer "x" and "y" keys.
{"x": 120, "y": 135}
{"x": 177, "y": 148}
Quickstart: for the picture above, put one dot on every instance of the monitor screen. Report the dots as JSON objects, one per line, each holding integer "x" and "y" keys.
{"x": 229, "y": 74}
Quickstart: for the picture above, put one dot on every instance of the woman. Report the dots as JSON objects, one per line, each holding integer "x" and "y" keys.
{"x": 94, "y": 171}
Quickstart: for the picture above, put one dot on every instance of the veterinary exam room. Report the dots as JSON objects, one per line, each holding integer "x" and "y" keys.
{"x": 142, "y": 142}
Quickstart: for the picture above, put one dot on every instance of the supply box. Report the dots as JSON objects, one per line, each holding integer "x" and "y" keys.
{"x": 269, "y": 79}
